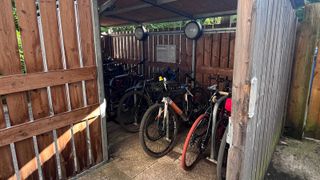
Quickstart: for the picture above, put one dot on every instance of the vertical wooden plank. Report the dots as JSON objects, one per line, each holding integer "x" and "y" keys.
{"x": 6, "y": 164}
{"x": 26, "y": 11}
{"x": 199, "y": 58}
{"x": 69, "y": 32}
{"x": 53, "y": 49}
{"x": 17, "y": 103}
{"x": 224, "y": 50}
{"x": 241, "y": 88}
{"x": 88, "y": 56}
{"x": 216, "y": 43}
{"x": 207, "y": 57}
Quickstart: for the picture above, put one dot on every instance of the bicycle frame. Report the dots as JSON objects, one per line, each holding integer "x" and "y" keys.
{"x": 169, "y": 102}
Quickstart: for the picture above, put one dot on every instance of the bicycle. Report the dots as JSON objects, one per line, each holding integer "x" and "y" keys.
{"x": 159, "y": 125}
{"x": 210, "y": 126}
{"x": 139, "y": 98}
{"x": 116, "y": 86}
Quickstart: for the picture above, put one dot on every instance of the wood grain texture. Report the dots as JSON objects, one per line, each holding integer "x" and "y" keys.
{"x": 88, "y": 56}
{"x": 31, "y": 81}
{"x": 264, "y": 50}
{"x": 17, "y": 103}
{"x": 69, "y": 31}
{"x": 40, "y": 126}
{"x": 59, "y": 101}
{"x": 307, "y": 38}
{"x": 312, "y": 128}
{"x": 30, "y": 38}
{"x": 6, "y": 164}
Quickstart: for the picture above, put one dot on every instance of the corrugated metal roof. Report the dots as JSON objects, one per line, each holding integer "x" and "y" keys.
{"x": 145, "y": 11}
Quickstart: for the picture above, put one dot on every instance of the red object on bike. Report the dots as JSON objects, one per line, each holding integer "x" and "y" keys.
{"x": 228, "y": 104}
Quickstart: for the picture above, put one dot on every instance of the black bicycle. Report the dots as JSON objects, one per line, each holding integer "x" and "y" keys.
{"x": 139, "y": 98}
{"x": 116, "y": 86}
{"x": 209, "y": 127}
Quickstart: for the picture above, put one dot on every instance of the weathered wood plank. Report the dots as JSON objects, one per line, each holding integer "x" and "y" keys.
{"x": 305, "y": 45}
{"x": 241, "y": 88}
{"x": 313, "y": 118}
{"x": 24, "y": 82}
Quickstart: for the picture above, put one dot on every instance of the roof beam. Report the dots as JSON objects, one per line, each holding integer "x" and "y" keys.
{"x": 157, "y": 4}
{"x": 106, "y": 5}
{"x": 133, "y": 8}
{"x": 124, "y": 19}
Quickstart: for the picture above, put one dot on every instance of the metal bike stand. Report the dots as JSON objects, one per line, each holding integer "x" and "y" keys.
{"x": 213, "y": 130}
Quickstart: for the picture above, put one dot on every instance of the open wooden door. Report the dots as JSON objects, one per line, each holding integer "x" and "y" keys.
{"x": 265, "y": 39}
{"x": 52, "y": 123}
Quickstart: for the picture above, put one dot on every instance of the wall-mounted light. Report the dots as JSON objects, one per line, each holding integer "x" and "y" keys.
{"x": 193, "y": 30}
{"x": 140, "y": 33}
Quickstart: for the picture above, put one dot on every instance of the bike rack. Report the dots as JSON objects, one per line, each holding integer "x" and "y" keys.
{"x": 213, "y": 130}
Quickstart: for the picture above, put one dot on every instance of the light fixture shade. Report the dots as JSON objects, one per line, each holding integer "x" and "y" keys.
{"x": 193, "y": 30}
{"x": 140, "y": 33}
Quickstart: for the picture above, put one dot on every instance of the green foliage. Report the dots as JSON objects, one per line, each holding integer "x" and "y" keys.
{"x": 18, "y": 33}
{"x": 166, "y": 25}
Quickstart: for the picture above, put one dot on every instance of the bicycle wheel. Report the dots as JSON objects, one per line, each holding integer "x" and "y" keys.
{"x": 195, "y": 143}
{"x": 131, "y": 108}
{"x": 222, "y": 157}
{"x": 158, "y": 135}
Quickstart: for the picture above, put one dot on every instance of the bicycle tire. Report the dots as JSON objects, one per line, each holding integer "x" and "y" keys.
{"x": 127, "y": 122}
{"x": 147, "y": 118}
{"x": 221, "y": 155}
{"x": 187, "y": 148}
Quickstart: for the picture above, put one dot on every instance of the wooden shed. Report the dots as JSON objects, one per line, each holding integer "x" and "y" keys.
{"x": 52, "y": 108}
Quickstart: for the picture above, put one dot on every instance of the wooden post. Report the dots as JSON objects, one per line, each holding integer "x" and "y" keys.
{"x": 307, "y": 34}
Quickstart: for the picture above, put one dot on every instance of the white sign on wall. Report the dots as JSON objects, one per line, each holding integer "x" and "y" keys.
{"x": 166, "y": 53}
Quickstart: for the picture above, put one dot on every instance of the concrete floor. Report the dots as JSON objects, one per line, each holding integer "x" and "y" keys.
{"x": 292, "y": 160}
{"x": 128, "y": 161}
{"x": 295, "y": 160}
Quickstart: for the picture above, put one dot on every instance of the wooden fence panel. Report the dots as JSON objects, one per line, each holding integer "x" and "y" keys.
{"x": 262, "y": 70}
{"x": 53, "y": 47}
{"x": 213, "y": 53}
{"x": 303, "y": 107}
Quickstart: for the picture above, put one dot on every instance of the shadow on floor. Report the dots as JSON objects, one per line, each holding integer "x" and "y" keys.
{"x": 128, "y": 161}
